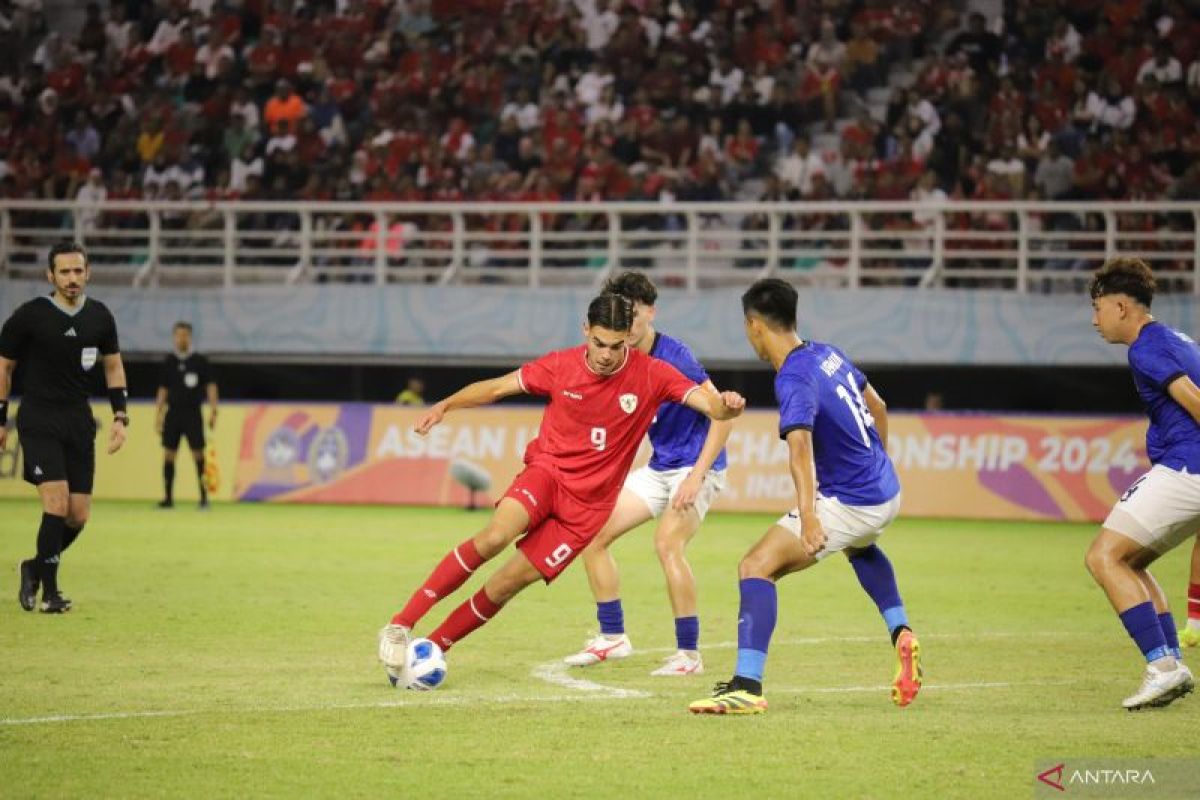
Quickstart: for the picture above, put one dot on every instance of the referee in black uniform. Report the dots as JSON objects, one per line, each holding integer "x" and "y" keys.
{"x": 60, "y": 338}
{"x": 183, "y": 383}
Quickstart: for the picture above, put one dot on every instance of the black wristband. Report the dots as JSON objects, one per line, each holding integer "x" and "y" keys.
{"x": 3, "y": 413}
{"x": 116, "y": 398}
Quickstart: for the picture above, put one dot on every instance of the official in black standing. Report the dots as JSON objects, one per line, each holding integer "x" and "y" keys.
{"x": 183, "y": 384}
{"x": 60, "y": 338}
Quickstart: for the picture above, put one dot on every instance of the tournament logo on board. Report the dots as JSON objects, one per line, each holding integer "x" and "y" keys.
{"x": 328, "y": 455}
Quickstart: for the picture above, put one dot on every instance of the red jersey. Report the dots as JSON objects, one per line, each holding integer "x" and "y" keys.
{"x": 594, "y": 424}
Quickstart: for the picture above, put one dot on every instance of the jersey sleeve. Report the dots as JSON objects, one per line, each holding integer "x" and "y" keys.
{"x": 13, "y": 336}
{"x": 206, "y": 374}
{"x": 164, "y": 373}
{"x": 797, "y": 394}
{"x": 109, "y": 345}
{"x": 1159, "y": 364}
{"x": 537, "y": 377}
{"x": 687, "y": 363}
{"x": 669, "y": 382}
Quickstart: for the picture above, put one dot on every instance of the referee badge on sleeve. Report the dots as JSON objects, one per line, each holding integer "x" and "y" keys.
{"x": 88, "y": 356}
{"x": 628, "y": 403}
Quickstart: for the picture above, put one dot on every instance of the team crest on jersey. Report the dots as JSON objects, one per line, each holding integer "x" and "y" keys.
{"x": 87, "y": 357}
{"x": 628, "y": 403}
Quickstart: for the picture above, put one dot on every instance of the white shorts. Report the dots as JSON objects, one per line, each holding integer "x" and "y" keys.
{"x": 656, "y": 488}
{"x": 1160, "y": 510}
{"x": 846, "y": 526}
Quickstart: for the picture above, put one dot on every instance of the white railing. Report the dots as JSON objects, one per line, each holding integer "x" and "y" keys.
{"x": 1017, "y": 246}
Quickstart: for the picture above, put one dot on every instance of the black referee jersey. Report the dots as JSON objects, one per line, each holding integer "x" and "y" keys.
{"x": 59, "y": 348}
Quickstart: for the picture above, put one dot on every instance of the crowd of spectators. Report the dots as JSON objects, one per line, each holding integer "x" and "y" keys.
{"x": 445, "y": 100}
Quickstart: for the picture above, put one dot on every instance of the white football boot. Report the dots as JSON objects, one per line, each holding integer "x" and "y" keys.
{"x": 681, "y": 664}
{"x": 393, "y": 645}
{"x": 1161, "y": 687}
{"x": 601, "y": 648}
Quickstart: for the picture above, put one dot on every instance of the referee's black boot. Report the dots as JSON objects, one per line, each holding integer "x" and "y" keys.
{"x": 27, "y": 594}
{"x": 166, "y": 504}
{"x": 55, "y": 604}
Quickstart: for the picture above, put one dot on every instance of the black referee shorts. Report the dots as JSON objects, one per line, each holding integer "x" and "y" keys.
{"x": 180, "y": 424}
{"x": 58, "y": 443}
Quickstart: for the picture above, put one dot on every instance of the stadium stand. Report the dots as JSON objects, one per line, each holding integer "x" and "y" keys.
{"x": 560, "y": 100}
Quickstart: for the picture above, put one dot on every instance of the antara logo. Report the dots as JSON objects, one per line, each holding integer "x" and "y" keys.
{"x": 1062, "y": 779}
{"x": 1053, "y": 777}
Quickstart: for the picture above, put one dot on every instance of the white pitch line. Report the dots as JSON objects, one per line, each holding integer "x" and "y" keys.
{"x": 945, "y": 687}
{"x": 817, "y": 640}
{"x": 555, "y": 672}
{"x": 416, "y": 699}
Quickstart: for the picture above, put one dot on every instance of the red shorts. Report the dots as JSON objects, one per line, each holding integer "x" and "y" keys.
{"x": 560, "y": 526}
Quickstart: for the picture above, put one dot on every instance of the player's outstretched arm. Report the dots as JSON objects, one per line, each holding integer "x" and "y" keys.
{"x": 7, "y": 365}
{"x": 804, "y": 475}
{"x": 1183, "y": 390}
{"x": 716, "y": 405}
{"x": 480, "y": 393}
{"x": 878, "y": 410}
{"x": 114, "y": 379}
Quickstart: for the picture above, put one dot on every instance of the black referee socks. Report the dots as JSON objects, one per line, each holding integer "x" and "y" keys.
{"x": 49, "y": 547}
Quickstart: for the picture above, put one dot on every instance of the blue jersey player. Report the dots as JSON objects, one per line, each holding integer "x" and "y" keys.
{"x": 1162, "y": 508}
{"x": 835, "y": 426}
{"x": 684, "y": 476}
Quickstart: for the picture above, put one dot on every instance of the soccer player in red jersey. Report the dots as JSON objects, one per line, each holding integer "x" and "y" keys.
{"x": 602, "y": 397}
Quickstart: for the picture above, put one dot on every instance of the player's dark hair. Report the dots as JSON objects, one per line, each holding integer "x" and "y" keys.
{"x": 187, "y": 326}
{"x": 62, "y": 248}
{"x": 634, "y": 285}
{"x": 1130, "y": 276}
{"x": 611, "y": 311}
{"x": 772, "y": 300}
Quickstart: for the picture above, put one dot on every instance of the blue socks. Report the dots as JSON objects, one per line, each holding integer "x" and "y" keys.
{"x": 611, "y": 617}
{"x": 878, "y": 580}
{"x": 1143, "y": 626}
{"x": 1167, "y": 623}
{"x": 756, "y": 623}
{"x": 687, "y": 633}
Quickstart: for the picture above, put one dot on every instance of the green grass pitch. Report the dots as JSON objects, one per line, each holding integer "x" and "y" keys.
{"x": 232, "y": 653}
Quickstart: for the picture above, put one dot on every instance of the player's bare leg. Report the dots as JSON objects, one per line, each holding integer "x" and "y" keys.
{"x": 1190, "y": 635}
{"x": 675, "y": 529}
{"x": 605, "y": 582}
{"x": 508, "y": 521}
{"x": 776, "y": 554}
{"x": 1119, "y": 564}
{"x": 168, "y": 500}
{"x": 503, "y": 585}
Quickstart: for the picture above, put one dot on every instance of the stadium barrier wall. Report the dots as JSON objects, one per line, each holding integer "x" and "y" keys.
{"x": 477, "y": 324}
{"x": 977, "y": 466}
{"x": 135, "y": 471}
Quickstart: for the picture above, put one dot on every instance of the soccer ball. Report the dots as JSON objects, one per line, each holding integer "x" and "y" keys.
{"x": 424, "y": 667}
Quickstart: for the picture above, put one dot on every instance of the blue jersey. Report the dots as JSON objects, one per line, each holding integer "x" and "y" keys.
{"x": 678, "y": 432}
{"x": 818, "y": 389}
{"x": 1157, "y": 357}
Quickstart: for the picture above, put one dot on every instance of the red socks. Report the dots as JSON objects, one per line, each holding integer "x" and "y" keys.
{"x": 1193, "y": 601}
{"x": 447, "y": 576}
{"x": 464, "y": 619}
